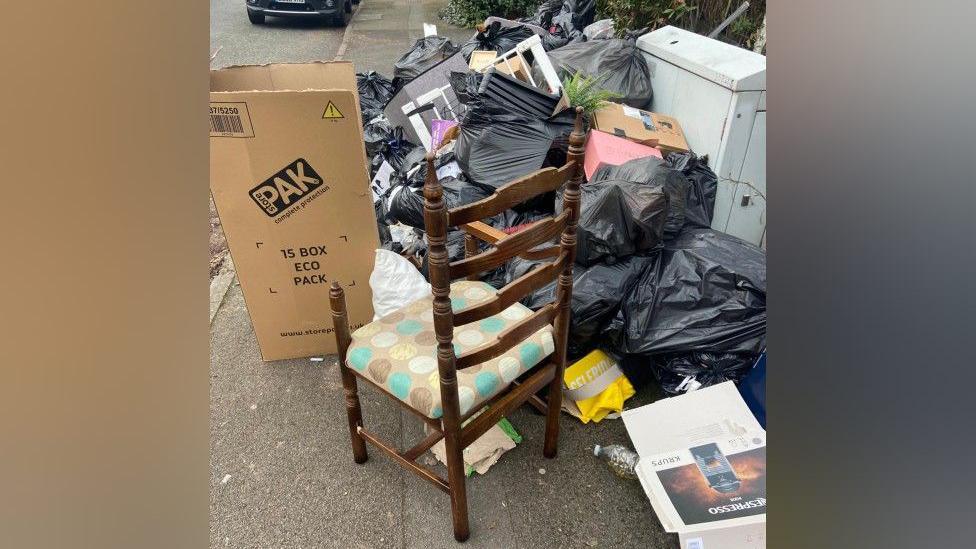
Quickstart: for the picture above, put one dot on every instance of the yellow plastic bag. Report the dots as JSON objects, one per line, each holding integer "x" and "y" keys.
{"x": 595, "y": 386}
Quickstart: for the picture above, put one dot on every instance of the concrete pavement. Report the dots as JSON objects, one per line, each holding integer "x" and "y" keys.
{"x": 282, "y": 473}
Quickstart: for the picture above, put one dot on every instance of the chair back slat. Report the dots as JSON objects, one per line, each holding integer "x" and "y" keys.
{"x": 512, "y": 292}
{"x": 509, "y": 338}
{"x": 511, "y": 194}
{"x": 512, "y": 245}
{"x": 540, "y": 254}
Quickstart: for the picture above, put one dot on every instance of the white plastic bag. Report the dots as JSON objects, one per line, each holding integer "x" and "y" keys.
{"x": 599, "y": 30}
{"x": 395, "y": 283}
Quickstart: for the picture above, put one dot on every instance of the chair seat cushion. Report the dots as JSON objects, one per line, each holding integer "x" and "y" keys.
{"x": 399, "y": 351}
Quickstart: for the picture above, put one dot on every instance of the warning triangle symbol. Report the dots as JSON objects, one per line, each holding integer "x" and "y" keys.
{"x": 331, "y": 111}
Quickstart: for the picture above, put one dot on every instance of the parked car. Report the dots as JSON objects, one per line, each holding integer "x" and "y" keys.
{"x": 337, "y": 12}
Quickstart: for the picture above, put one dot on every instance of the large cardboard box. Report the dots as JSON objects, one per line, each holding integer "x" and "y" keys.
{"x": 288, "y": 176}
{"x": 648, "y": 128}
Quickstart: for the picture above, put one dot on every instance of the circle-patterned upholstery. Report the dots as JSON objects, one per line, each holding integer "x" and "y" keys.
{"x": 399, "y": 351}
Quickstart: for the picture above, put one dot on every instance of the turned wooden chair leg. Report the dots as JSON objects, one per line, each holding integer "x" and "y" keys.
{"x": 552, "y": 415}
{"x": 337, "y": 301}
{"x": 456, "y": 479}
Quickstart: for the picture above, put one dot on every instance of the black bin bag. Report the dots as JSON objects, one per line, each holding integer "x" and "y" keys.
{"x": 653, "y": 171}
{"x": 494, "y": 149}
{"x": 617, "y": 62}
{"x": 704, "y": 368}
{"x": 518, "y": 267}
{"x": 382, "y": 226}
{"x": 566, "y": 27}
{"x": 375, "y": 92}
{"x": 496, "y": 38}
{"x": 455, "y": 251}
{"x": 504, "y": 133}
{"x": 565, "y": 20}
{"x": 407, "y": 204}
{"x": 425, "y": 53}
{"x": 583, "y": 10}
{"x": 396, "y": 150}
{"x": 706, "y": 292}
{"x": 377, "y": 135}
{"x": 702, "y": 187}
{"x": 628, "y": 209}
{"x": 617, "y": 219}
{"x": 598, "y": 291}
{"x": 544, "y": 13}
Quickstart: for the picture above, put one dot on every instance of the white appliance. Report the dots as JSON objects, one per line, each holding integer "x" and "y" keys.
{"x": 718, "y": 94}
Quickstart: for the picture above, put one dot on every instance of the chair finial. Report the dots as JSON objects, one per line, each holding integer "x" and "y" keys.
{"x": 577, "y": 138}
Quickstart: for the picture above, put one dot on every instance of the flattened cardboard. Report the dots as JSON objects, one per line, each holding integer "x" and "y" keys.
{"x": 648, "y": 128}
{"x": 288, "y": 175}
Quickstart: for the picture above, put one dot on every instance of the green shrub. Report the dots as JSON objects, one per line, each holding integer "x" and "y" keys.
{"x": 469, "y": 13}
{"x": 701, "y": 16}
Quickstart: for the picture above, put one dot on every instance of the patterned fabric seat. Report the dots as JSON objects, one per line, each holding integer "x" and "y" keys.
{"x": 399, "y": 351}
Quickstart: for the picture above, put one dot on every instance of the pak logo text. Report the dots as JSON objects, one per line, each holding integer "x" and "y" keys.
{"x": 286, "y": 188}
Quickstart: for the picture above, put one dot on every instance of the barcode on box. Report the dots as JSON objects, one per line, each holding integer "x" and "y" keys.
{"x": 230, "y": 120}
{"x": 695, "y": 543}
{"x": 226, "y": 123}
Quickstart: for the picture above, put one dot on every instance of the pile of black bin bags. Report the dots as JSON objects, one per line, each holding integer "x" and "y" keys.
{"x": 654, "y": 284}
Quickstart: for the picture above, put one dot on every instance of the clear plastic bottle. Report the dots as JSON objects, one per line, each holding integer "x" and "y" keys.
{"x": 622, "y": 460}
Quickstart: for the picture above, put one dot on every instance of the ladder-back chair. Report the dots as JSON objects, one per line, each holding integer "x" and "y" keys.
{"x": 470, "y": 347}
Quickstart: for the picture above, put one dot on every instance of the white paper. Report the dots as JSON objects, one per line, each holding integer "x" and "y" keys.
{"x": 450, "y": 169}
{"x": 632, "y": 112}
{"x": 381, "y": 181}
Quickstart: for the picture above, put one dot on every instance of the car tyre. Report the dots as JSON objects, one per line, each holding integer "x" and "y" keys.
{"x": 341, "y": 18}
{"x": 348, "y": 6}
{"x": 256, "y": 17}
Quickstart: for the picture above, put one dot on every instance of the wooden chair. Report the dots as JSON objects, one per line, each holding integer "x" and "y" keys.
{"x": 396, "y": 353}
